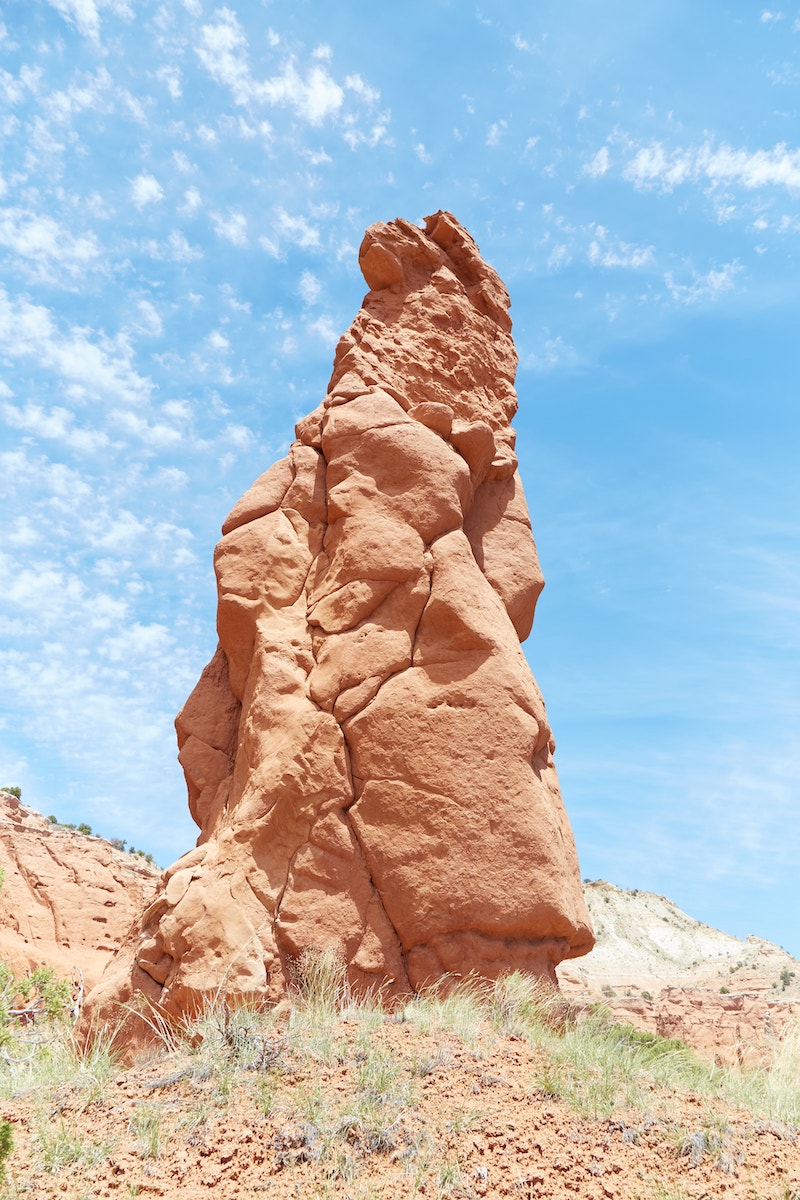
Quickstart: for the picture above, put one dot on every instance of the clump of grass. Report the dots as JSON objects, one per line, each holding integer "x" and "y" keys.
{"x": 319, "y": 982}
{"x": 146, "y": 1126}
{"x": 520, "y": 1005}
{"x": 771, "y": 1091}
{"x": 598, "y": 1066}
{"x": 61, "y": 1144}
{"x": 459, "y": 1010}
{"x": 58, "y": 1061}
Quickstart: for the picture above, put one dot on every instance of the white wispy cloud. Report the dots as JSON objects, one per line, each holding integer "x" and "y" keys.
{"x": 296, "y": 229}
{"x": 354, "y": 83}
{"x": 145, "y": 189}
{"x": 553, "y": 354}
{"x": 16, "y": 88}
{"x": 148, "y": 320}
{"x": 559, "y": 257}
{"x": 87, "y": 364}
{"x": 170, "y": 76}
{"x": 175, "y": 249}
{"x": 620, "y": 255}
{"x": 84, "y": 15}
{"x": 599, "y": 164}
{"x": 325, "y": 328}
{"x": 708, "y": 286}
{"x": 223, "y": 51}
{"x": 89, "y": 91}
{"x": 55, "y": 424}
{"x": 231, "y": 226}
{"x": 309, "y": 287}
{"x": 655, "y": 166}
{"x": 192, "y": 201}
{"x": 45, "y": 245}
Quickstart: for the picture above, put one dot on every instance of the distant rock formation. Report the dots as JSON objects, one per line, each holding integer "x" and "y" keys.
{"x": 662, "y": 971}
{"x": 67, "y": 900}
{"x": 367, "y": 754}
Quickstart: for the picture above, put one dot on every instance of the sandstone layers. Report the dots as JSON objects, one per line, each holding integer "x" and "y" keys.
{"x": 367, "y": 754}
{"x": 66, "y": 900}
{"x": 662, "y": 971}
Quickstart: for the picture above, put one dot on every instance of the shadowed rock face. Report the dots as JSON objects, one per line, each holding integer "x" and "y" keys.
{"x": 367, "y": 754}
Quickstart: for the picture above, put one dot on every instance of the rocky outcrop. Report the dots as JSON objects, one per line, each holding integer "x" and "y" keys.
{"x": 367, "y": 754}
{"x": 67, "y": 900}
{"x": 657, "y": 968}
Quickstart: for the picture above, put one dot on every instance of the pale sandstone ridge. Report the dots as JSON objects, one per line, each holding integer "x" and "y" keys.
{"x": 67, "y": 900}
{"x": 665, "y": 972}
{"x": 367, "y": 754}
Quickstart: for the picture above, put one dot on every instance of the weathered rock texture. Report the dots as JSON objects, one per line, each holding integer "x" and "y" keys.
{"x": 662, "y": 971}
{"x": 67, "y": 900}
{"x": 367, "y": 754}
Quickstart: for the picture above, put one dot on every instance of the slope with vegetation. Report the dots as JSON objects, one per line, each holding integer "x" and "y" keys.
{"x": 491, "y": 1091}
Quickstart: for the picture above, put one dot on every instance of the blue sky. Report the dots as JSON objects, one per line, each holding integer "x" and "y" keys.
{"x": 183, "y": 190}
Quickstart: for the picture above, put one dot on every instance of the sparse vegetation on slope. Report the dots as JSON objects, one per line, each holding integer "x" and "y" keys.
{"x": 489, "y": 1091}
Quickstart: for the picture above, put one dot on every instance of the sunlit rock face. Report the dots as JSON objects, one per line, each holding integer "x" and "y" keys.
{"x": 367, "y": 755}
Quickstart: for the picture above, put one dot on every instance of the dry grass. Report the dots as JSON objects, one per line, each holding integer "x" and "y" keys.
{"x": 340, "y": 1084}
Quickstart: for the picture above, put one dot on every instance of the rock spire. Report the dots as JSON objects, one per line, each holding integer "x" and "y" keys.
{"x": 367, "y": 755}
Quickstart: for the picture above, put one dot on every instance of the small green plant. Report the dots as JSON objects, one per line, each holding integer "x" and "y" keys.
{"x": 52, "y": 819}
{"x": 13, "y": 791}
{"x": 84, "y": 828}
{"x": 6, "y": 1146}
{"x": 786, "y": 978}
{"x": 647, "y": 995}
{"x": 724, "y": 991}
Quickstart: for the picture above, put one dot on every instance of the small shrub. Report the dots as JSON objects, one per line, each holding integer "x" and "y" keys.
{"x": 724, "y": 991}
{"x": 6, "y": 1146}
{"x": 52, "y": 819}
{"x": 647, "y": 995}
{"x": 13, "y": 791}
{"x": 84, "y": 828}
{"x": 786, "y": 978}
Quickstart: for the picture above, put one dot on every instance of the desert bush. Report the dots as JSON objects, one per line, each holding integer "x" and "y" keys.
{"x": 13, "y": 791}
{"x": 6, "y": 1146}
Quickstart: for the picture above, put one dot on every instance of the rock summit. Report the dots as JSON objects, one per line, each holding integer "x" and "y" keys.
{"x": 367, "y": 754}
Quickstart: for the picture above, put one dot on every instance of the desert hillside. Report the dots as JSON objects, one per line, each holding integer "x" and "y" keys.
{"x": 660, "y": 969}
{"x": 491, "y": 1092}
{"x": 68, "y": 898}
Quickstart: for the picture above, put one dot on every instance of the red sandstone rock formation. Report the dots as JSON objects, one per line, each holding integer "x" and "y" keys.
{"x": 67, "y": 900}
{"x": 367, "y": 754}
